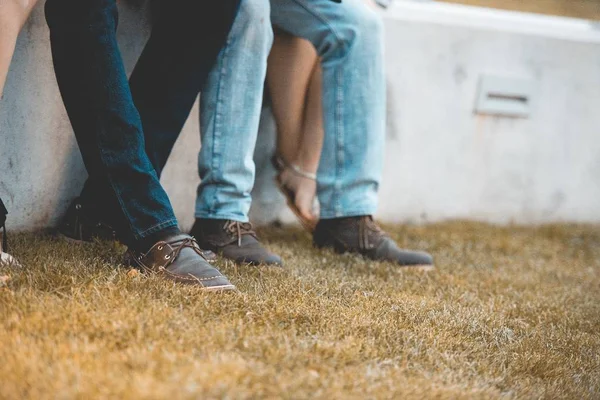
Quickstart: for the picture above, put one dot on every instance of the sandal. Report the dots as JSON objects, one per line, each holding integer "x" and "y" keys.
{"x": 280, "y": 165}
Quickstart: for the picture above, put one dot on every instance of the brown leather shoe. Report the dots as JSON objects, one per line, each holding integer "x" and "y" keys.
{"x": 361, "y": 235}
{"x": 82, "y": 223}
{"x": 233, "y": 240}
{"x": 179, "y": 259}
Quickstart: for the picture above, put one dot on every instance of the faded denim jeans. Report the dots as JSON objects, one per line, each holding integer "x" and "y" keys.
{"x": 230, "y": 106}
{"x": 349, "y": 39}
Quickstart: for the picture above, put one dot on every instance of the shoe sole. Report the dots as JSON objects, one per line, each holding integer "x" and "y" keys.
{"x": 419, "y": 268}
{"x": 336, "y": 250}
{"x": 224, "y": 288}
{"x": 243, "y": 263}
{"x": 246, "y": 263}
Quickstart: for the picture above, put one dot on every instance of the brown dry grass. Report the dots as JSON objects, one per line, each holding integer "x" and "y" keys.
{"x": 511, "y": 312}
{"x": 588, "y": 9}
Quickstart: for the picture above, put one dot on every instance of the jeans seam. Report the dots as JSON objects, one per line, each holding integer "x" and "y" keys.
{"x": 216, "y": 155}
{"x": 340, "y": 159}
{"x": 319, "y": 17}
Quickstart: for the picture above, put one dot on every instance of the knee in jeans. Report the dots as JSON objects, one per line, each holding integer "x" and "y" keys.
{"x": 359, "y": 24}
{"x": 255, "y": 15}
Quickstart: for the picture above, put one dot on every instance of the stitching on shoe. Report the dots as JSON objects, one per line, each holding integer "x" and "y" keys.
{"x": 187, "y": 278}
{"x": 208, "y": 279}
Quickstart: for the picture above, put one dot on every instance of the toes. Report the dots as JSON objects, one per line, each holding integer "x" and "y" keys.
{"x": 304, "y": 206}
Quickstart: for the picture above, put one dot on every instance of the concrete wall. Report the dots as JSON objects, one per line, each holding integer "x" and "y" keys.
{"x": 443, "y": 161}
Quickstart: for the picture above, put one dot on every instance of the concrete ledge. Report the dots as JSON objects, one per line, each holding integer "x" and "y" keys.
{"x": 443, "y": 160}
{"x": 457, "y": 15}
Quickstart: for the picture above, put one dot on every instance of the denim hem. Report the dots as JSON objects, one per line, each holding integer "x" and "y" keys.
{"x": 216, "y": 215}
{"x": 156, "y": 228}
{"x": 347, "y": 213}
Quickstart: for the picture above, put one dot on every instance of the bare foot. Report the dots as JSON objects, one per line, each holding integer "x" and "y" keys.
{"x": 304, "y": 189}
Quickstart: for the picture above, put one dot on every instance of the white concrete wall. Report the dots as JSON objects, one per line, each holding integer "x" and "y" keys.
{"x": 443, "y": 161}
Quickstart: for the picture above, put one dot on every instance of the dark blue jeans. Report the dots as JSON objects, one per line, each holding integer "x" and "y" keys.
{"x": 184, "y": 44}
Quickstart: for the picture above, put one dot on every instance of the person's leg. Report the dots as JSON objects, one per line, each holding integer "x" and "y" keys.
{"x": 294, "y": 79}
{"x": 94, "y": 87}
{"x": 291, "y": 66}
{"x": 187, "y": 37}
{"x": 313, "y": 131}
{"x": 349, "y": 39}
{"x": 13, "y": 14}
{"x": 185, "y": 41}
{"x": 107, "y": 126}
{"x": 298, "y": 110}
{"x": 230, "y": 106}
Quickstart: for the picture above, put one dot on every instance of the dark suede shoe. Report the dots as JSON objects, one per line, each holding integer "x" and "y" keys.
{"x": 361, "y": 235}
{"x": 83, "y": 224}
{"x": 233, "y": 240}
{"x": 178, "y": 258}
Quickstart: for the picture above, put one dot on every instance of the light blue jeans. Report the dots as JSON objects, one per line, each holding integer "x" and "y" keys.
{"x": 230, "y": 105}
{"x": 349, "y": 39}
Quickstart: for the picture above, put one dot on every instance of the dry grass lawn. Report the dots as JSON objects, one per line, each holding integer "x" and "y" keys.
{"x": 511, "y": 312}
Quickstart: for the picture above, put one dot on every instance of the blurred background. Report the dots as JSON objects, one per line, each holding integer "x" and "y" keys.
{"x": 587, "y": 9}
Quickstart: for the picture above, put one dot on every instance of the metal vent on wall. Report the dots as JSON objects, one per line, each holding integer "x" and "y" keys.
{"x": 504, "y": 96}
